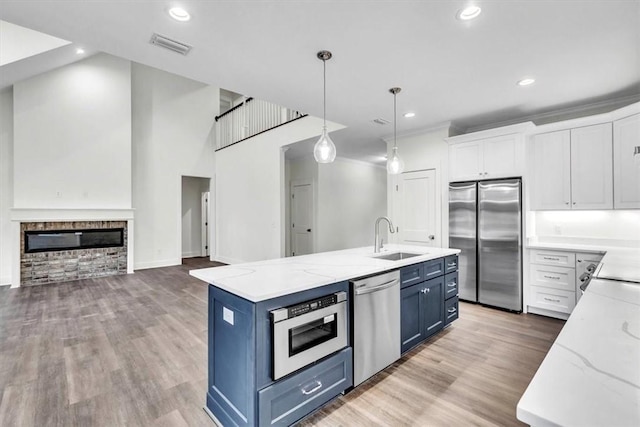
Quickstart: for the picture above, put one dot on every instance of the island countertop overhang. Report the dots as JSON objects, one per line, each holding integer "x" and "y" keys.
{"x": 263, "y": 280}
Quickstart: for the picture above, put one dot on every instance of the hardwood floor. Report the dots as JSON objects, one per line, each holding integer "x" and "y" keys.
{"x": 131, "y": 351}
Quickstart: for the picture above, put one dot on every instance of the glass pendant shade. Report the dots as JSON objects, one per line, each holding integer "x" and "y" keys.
{"x": 325, "y": 150}
{"x": 395, "y": 165}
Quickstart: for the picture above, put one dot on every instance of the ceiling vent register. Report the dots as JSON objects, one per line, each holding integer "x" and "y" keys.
{"x": 381, "y": 121}
{"x": 171, "y": 44}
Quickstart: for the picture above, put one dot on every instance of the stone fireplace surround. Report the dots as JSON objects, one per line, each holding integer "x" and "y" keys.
{"x": 69, "y": 265}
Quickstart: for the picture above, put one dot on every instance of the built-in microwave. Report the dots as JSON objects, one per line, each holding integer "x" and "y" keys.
{"x": 306, "y": 332}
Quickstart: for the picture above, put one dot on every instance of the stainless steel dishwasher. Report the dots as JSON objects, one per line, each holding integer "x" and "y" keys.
{"x": 376, "y": 324}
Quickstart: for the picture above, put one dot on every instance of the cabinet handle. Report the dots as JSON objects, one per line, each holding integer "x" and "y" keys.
{"x": 425, "y": 290}
{"x": 313, "y": 390}
{"x": 550, "y": 258}
{"x": 451, "y": 264}
{"x": 551, "y": 277}
{"x": 566, "y": 203}
{"x": 451, "y": 285}
{"x": 480, "y": 173}
{"x": 551, "y": 299}
{"x": 452, "y": 310}
{"x": 574, "y": 203}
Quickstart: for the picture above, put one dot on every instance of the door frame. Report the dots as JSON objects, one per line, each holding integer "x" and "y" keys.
{"x": 212, "y": 225}
{"x": 299, "y": 182}
{"x": 205, "y": 199}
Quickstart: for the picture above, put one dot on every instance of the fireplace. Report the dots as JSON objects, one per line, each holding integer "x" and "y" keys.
{"x": 63, "y": 251}
{"x": 60, "y": 240}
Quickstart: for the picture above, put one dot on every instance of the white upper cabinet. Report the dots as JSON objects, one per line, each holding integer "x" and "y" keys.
{"x": 465, "y": 162}
{"x": 592, "y": 167}
{"x": 551, "y": 171}
{"x": 626, "y": 174}
{"x": 487, "y": 154}
{"x": 572, "y": 169}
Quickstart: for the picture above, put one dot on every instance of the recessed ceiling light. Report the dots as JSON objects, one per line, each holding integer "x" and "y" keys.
{"x": 79, "y": 51}
{"x": 468, "y": 13}
{"x": 179, "y": 14}
{"x": 526, "y": 82}
{"x": 409, "y": 114}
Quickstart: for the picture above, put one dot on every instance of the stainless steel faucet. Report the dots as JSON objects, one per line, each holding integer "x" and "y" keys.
{"x": 378, "y": 243}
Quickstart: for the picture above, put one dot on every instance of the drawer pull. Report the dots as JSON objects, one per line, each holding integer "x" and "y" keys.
{"x": 451, "y": 264}
{"x": 313, "y": 390}
{"x": 550, "y": 258}
{"x": 551, "y": 299}
{"x": 451, "y": 285}
{"x": 451, "y": 310}
{"x": 433, "y": 272}
{"x": 551, "y": 277}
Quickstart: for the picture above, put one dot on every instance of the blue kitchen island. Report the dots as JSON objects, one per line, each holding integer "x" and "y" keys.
{"x": 281, "y": 331}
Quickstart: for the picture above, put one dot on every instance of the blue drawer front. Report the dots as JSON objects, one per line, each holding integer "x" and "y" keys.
{"x": 450, "y": 310}
{"x": 433, "y": 268}
{"x": 451, "y": 285}
{"x": 289, "y": 400}
{"x": 451, "y": 263}
{"x": 411, "y": 274}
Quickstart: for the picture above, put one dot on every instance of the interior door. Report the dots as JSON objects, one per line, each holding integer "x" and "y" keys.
{"x": 418, "y": 213}
{"x": 301, "y": 219}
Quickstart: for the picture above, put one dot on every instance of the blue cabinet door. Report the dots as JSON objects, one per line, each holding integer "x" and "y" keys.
{"x": 411, "y": 318}
{"x": 433, "y": 306}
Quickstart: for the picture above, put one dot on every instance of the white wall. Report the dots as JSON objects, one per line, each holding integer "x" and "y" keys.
{"x": 6, "y": 183}
{"x": 613, "y": 227}
{"x": 425, "y": 151}
{"x": 172, "y": 120}
{"x": 192, "y": 189}
{"x": 351, "y": 195}
{"x": 72, "y": 136}
{"x": 250, "y": 193}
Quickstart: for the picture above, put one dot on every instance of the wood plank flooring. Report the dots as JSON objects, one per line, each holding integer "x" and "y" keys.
{"x": 131, "y": 351}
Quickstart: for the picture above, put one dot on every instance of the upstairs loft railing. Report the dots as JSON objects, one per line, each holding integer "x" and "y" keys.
{"x": 250, "y": 118}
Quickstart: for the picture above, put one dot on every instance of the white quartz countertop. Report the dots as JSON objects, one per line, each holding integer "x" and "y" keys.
{"x": 262, "y": 280}
{"x": 591, "y": 375}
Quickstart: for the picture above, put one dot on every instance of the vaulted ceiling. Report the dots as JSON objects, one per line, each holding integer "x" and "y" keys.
{"x": 463, "y": 72}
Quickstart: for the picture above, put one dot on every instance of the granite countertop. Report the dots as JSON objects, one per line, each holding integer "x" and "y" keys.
{"x": 591, "y": 374}
{"x": 262, "y": 280}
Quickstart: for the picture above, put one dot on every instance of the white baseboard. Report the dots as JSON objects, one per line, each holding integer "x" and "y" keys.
{"x": 157, "y": 264}
{"x": 192, "y": 254}
{"x": 226, "y": 260}
{"x": 5, "y": 281}
{"x": 548, "y": 313}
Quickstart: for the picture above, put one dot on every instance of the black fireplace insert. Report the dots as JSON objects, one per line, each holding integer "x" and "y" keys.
{"x": 64, "y": 240}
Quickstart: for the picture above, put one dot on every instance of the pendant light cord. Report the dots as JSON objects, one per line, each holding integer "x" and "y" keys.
{"x": 324, "y": 96}
{"x": 395, "y": 119}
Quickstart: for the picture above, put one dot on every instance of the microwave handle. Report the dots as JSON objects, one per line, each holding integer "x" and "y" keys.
{"x": 380, "y": 287}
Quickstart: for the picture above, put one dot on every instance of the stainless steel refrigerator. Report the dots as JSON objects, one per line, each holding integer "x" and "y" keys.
{"x": 485, "y": 223}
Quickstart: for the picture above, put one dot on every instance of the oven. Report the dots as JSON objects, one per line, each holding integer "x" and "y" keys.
{"x": 306, "y": 332}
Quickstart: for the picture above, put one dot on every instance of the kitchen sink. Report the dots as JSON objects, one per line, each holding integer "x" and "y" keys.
{"x": 396, "y": 256}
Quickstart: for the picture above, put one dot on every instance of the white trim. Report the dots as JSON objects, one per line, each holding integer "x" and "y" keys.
{"x": 432, "y": 129}
{"x": 489, "y": 133}
{"x": 227, "y": 260}
{"x": 361, "y": 162}
{"x": 40, "y": 215}
{"x": 157, "y": 264}
{"x": 192, "y": 255}
{"x": 5, "y": 281}
{"x": 555, "y": 116}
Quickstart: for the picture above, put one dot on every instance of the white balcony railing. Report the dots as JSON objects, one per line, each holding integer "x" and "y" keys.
{"x": 251, "y": 117}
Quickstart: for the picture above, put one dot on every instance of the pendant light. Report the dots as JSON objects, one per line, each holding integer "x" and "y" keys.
{"x": 395, "y": 165}
{"x": 325, "y": 150}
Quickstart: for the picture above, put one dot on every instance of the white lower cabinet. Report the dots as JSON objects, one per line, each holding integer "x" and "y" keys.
{"x": 554, "y": 280}
{"x": 552, "y": 299}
